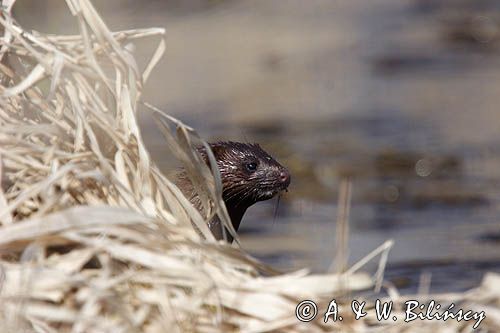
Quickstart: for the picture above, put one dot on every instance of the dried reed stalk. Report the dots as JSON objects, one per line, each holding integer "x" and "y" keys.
{"x": 93, "y": 237}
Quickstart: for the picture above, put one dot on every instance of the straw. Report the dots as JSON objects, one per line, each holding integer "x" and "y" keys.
{"x": 95, "y": 238}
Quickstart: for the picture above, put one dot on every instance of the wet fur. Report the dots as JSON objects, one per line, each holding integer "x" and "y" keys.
{"x": 241, "y": 187}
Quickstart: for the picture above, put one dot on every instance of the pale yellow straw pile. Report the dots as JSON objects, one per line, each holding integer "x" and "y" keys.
{"x": 93, "y": 237}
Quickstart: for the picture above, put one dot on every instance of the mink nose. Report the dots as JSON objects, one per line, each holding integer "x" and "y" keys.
{"x": 284, "y": 177}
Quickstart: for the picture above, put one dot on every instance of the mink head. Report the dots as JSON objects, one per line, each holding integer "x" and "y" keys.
{"x": 248, "y": 173}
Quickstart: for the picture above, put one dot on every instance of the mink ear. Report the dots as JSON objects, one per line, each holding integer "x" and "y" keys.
{"x": 217, "y": 150}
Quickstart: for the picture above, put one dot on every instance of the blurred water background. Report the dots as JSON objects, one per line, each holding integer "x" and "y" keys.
{"x": 401, "y": 96}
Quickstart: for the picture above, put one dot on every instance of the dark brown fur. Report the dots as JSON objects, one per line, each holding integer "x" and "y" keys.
{"x": 248, "y": 175}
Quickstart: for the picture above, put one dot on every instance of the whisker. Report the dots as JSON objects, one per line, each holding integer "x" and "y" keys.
{"x": 275, "y": 215}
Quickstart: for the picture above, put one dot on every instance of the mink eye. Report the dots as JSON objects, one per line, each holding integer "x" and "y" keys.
{"x": 252, "y": 166}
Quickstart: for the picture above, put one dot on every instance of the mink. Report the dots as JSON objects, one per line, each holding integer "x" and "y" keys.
{"x": 248, "y": 175}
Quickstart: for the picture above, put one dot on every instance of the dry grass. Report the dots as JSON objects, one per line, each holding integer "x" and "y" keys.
{"x": 94, "y": 238}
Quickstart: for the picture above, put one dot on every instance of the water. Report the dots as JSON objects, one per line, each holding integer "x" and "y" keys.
{"x": 411, "y": 120}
